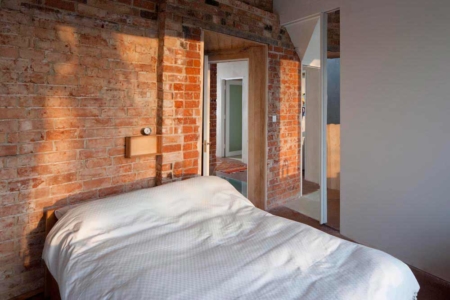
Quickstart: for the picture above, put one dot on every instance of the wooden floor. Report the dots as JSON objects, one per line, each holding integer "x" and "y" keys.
{"x": 431, "y": 287}
{"x": 333, "y": 206}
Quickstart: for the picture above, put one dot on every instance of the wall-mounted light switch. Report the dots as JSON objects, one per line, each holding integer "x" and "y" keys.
{"x": 274, "y": 118}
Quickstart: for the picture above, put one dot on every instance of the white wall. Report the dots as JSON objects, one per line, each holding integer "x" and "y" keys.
{"x": 304, "y": 31}
{"x": 395, "y": 120}
{"x": 291, "y": 10}
{"x": 225, "y": 71}
{"x": 312, "y": 54}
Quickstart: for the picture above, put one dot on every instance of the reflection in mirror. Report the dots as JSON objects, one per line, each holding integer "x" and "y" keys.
{"x": 311, "y": 134}
{"x": 308, "y": 203}
{"x": 333, "y": 120}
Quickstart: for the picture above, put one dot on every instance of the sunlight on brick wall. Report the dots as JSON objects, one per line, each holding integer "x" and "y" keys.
{"x": 77, "y": 78}
{"x": 72, "y": 88}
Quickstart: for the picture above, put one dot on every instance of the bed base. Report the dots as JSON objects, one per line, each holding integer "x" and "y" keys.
{"x": 51, "y": 288}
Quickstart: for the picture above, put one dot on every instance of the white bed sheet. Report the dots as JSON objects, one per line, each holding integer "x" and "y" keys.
{"x": 201, "y": 239}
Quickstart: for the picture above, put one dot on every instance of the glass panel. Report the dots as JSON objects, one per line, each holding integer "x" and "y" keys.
{"x": 235, "y": 118}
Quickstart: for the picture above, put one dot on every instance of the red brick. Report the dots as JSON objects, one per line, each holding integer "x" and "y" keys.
{"x": 125, "y": 178}
{"x": 83, "y": 196}
{"x": 98, "y": 162}
{"x": 95, "y": 41}
{"x": 7, "y": 150}
{"x": 34, "y": 194}
{"x": 113, "y": 190}
{"x": 9, "y": 52}
{"x": 34, "y": 171}
{"x": 68, "y": 188}
{"x": 190, "y": 154}
{"x": 171, "y": 148}
{"x": 36, "y": 147}
{"x": 61, "y": 179}
{"x": 92, "y": 153}
{"x": 149, "y": 5}
{"x": 193, "y": 71}
{"x": 96, "y": 183}
{"x": 25, "y": 184}
{"x": 61, "y": 4}
{"x": 12, "y": 113}
{"x": 99, "y": 143}
{"x": 53, "y": 135}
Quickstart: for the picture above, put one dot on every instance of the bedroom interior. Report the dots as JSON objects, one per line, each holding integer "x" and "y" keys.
{"x": 194, "y": 149}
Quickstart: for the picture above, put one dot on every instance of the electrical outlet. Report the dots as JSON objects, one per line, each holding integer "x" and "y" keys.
{"x": 274, "y": 118}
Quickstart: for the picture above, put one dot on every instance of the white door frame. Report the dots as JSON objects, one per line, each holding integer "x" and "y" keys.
{"x": 324, "y": 108}
{"x": 226, "y": 103}
{"x": 206, "y": 114}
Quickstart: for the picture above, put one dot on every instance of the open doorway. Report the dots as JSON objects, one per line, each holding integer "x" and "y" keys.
{"x": 235, "y": 105}
{"x": 228, "y": 130}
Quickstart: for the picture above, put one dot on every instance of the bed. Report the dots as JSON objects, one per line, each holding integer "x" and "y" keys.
{"x": 201, "y": 239}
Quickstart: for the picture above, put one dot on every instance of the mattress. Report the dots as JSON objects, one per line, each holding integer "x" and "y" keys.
{"x": 201, "y": 239}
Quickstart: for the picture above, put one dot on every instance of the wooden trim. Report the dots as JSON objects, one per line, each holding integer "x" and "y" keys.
{"x": 229, "y": 52}
{"x": 30, "y": 294}
{"x": 50, "y": 220}
{"x": 257, "y": 126}
{"x": 51, "y": 288}
{"x": 143, "y": 145}
{"x": 257, "y": 116}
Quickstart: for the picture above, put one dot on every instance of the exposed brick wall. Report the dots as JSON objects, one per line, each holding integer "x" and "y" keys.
{"x": 213, "y": 115}
{"x": 230, "y": 17}
{"x": 179, "y": 95}
{"x": 266, "y": 5}
{"x": 284, "y": 135}
{"x": 72, "y": 87}
{"x": 79, "y": 76}
{"x": 334, "y": 22}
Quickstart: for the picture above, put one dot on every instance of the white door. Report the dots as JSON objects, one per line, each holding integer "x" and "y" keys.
{"x": 206, "y": 113}
{"x": 233, "y": 118}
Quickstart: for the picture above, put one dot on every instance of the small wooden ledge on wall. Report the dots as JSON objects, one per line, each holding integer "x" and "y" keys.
{"x": 143, "y": 145}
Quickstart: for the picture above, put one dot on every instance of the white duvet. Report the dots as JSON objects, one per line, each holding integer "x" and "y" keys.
{"x": 201, "y": 239}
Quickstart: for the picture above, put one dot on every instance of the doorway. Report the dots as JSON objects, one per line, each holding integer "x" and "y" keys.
{"x": 235, "y": 104}
{"x": 228, "y": 122}
{"x": 233, "y": 118}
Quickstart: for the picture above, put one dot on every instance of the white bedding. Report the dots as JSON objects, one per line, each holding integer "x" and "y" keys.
{"x": 201, "y": 239}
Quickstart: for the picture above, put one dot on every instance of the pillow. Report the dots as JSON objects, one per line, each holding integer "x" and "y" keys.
{"x": 62, "y": 211}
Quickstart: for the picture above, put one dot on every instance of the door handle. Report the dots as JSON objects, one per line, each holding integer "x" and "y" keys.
{"x": 205, "y": 144}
